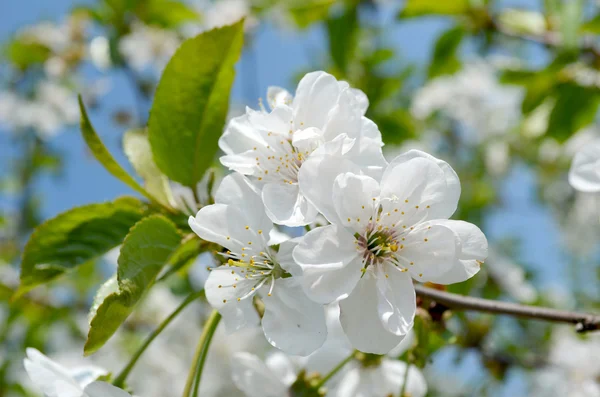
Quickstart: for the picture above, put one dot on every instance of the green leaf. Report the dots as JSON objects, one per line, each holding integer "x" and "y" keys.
{"x": 191, "y": 101}
{"x": 416, "y": 8}
{"x": 146, "y": 249}
{"x": 75, "y": 237}
{"x": 305, "y": 13}
{"x": 165, "y": 13}
{"x": 137, "y": 149}
{"x": 575, "y": 108}
{"x": 445, "y": 59}
{"x": 591, "y": 25}
{"x": 23, "y": 53}
{"x": 342, "y": 34}
{"x": 102, "y": 154}
{"x": 570, "y": 22}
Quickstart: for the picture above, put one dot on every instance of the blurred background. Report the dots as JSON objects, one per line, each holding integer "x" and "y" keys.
{"x": 505, "y": 91}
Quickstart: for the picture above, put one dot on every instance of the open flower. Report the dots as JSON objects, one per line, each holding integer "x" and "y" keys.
{"x": 382, "y": 234}
{"x": 237, "y": 221}
{"x": 57, "y": 381}
{"x": 272, "y": 146}
{"x": 585, "y": 170}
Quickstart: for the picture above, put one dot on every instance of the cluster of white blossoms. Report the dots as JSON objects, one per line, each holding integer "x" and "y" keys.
{"x": 382, "y": 225}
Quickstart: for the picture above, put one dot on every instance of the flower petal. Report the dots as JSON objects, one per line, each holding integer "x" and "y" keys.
{"x": 221, "y": 224}
{"x": 397, "y": 300}
{"x": 394, "y": 374}
{"x": 307, "y": 140}
{"x": 240, "y": 136}
{"x": 585, "y": 169}
{"x": 428, "y": 251}
{"x": 278, "y": 96}
{"x": 237, "y": 191}
{"x": 318, "y": 172}
{"x": 429, "y": 184}
{"x": 286, "y": 206}
{"x": 361, "y": 100}
{"x": 354, "y": 198}
{"x": 360, "y": 319}
{"x": 44, "y": 373}
{"x": 292, "y": 322}
{"x": 472, "y": 250}
{"x": 330, "y": 263}
{"x": 316, "y": 94}
{"x": 254, "y": 378}
{"x": 223, "y": 296}
{"x": 103, "y": 389}
{"x": 277, "y": 122}
{"x": 345, "y": 117}
{"x": 286, "y": 259}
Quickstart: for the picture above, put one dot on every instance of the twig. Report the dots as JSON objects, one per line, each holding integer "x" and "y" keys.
{"x": 583, "y": 321}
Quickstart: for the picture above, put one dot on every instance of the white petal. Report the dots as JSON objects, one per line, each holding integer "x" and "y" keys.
{"x": 354, "y": 199}
{"x": 429, "y": 250}
{"x": 86, "y": 375}
{"x": 237, "y": 191}
{"x": 360, "y": 319}
{"x": 282, "y": 367}
{"x": 240, "y": 136}
{"x": 44, "y": 373}
{"x": 344, "y": 118}
{"x": 330, "y": 263}
{"x": 244, "y": 162}
{"x": 361, "y": 100}
{"x": 254, "y": 378}
{"x": 103, "y": 389}
{"x": 318, "y": 172}
{"x": 221, "y": 224}
{"x": 292, "y": 322}
{"x": 585, "y": 170}
{"x": 308, "y": 139}
{"x": 277, "y": 121}
{"x": 317, "y": 93}
{"x": 394, "y": 373}
{"x": 471, "y": 252}
{"x": 424, "y": 181}
{"x": 370, "y": 130}
{"x": 349, "y": 384}
{"x": 276, "y": 237}
{"x": 222, "y": 296}
{"x": 286, "y": 206}
{"x": 286, "y": 259}
{"x": 397, "y": 300}
{"x": 278, "y": 96}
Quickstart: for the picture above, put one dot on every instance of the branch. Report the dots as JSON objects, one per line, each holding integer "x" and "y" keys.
{"x": 583, "y": 322}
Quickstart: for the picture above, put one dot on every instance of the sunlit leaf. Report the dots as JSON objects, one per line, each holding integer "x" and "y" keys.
{"x": 75, "y": 237}
{"x": 575, "y": 107}
{"x": 145, "y": 250}
{"x": 137, "y": 149}
{"x": 191, "y": 102}
{"x": 445, "y": 59}
{"x": 342, "y": 34}
{"x": 307, "y": 12}
{"x": 415, "y": 8}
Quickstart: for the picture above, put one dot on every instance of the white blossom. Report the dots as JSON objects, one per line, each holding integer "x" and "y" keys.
{"x": 573, "y": 368}
{"x": 382, "y": 234}
{"x": 325, "y": 117}
{"x": 148, "y": 46}
{"x": 585, "y": 169}
{"x": 57, "y": 381}
{"x": 237, "y": 221}
{"x": 473, "y": 97}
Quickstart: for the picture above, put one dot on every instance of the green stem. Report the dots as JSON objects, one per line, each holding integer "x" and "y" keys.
{"x": 195, "y": 373}
{"x": 405, "y": 381}
{"x": 334, "y": 371}
{"x": 120, "y": 379}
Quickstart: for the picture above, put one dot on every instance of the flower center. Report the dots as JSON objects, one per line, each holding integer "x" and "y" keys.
{"x": 279, "y": 161}
{"x": 377, "y": 245}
